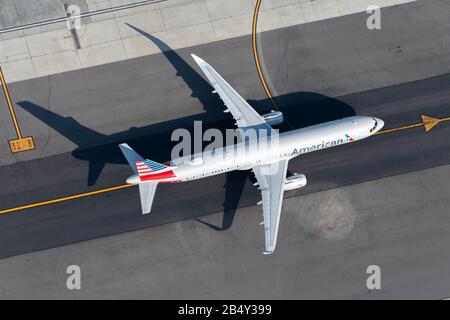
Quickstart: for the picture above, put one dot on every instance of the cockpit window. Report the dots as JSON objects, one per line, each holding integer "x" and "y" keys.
{"x": 375, "y": 125}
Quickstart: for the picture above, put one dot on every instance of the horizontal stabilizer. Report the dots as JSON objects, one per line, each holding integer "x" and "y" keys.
{"x": 147, "y": 192}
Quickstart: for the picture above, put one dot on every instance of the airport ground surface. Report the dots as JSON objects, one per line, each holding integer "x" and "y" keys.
{"x": 379, "y": 201}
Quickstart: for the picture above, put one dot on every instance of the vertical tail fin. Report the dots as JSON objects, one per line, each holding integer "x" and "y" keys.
{"x": 131, "y": 156}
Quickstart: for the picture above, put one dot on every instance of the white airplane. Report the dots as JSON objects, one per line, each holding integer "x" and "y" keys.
{"x": 270, "y": 168}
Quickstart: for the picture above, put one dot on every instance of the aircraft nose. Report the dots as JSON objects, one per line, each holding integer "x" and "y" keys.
{"x": 134, "y": 179}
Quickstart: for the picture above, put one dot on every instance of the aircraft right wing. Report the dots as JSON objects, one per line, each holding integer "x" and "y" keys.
{"x": 271, "y": 178}
{"x": 242, "y": 112}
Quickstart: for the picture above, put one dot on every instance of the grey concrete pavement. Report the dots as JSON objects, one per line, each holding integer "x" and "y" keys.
{"x": 326, "y": 242}
{"x": 342, "y": 56}
{"x": 105, "y": 38}
{"x": 17, "y": 13}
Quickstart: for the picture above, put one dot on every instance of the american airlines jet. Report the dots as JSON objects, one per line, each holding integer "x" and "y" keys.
{"x": 268, "y": 165}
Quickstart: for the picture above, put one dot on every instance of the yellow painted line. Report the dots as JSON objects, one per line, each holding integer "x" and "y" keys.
{"x": 427, "y": 122}
{"x": 8, "y": 100}
{"x": 399, "y": 128}
{"x": 21, "y": 143}
{"x": 76, "y": 196}
{"x": 255, "y": 53}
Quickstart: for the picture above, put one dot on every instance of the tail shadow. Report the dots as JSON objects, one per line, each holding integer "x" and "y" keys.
{"x": 200, "y": 88}
{"x": 68, "y": 127}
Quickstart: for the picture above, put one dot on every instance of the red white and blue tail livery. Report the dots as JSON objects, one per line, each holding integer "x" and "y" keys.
{"x": 147, "y": 167}
{"x": 147, "y": 174}
{"x": 150, "y": 170}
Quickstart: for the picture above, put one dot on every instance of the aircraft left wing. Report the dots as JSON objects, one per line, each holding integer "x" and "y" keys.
{"x": 242, "y": 112}
{"x": 271, "y": 180}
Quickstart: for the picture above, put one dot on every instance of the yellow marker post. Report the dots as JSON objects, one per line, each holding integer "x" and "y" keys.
{"x": 21, "y": 143}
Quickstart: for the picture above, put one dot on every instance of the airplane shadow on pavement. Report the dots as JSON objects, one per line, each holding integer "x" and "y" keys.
{"x": 300, "y": 108}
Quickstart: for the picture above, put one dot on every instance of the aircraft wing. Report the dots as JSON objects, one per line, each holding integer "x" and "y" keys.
{"x": 242, "y": 112}
{"x": 271, "y": 180}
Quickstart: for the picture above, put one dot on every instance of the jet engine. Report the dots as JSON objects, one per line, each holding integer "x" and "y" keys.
{"x": 295, "y": 181}
{"x": 274, "y": 117}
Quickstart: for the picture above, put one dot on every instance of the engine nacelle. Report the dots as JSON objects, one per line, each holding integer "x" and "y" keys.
{"x": 295, "y": 181}
{"x": 274, "y": 117}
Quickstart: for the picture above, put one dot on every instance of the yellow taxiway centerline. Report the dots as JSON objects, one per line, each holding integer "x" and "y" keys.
{"x": 399, "y": 128}
{"x": 427, "y": 122}
{"x": 76, "y": 196}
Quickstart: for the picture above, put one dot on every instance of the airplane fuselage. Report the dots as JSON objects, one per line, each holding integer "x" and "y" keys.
{"x": 242, "y": 156}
